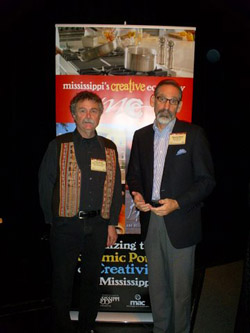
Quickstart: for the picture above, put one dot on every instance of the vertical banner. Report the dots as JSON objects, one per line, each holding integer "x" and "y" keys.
{"x": 123, "y": 65}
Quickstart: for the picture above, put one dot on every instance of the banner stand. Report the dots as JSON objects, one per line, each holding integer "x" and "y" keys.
{"x": 119, "y": 317}
{"x": 126, "y": 95}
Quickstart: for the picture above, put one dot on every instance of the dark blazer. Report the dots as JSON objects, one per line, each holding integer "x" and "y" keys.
{"x": 188, "y": 177}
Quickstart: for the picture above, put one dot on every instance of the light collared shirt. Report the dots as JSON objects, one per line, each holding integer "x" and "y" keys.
{"x": 161, "y": 139}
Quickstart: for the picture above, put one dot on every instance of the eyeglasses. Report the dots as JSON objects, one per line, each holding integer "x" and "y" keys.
{"x": 172, "y": 101}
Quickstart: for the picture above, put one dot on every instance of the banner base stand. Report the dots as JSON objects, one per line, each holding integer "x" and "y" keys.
{"x": 119, "y": 317}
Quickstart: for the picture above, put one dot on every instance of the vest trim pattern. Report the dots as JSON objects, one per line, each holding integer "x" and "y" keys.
{"x": 109, "y": 182}
{"x": 70, "y": 181}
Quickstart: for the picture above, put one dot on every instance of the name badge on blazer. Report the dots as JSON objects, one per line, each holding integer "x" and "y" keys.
{"x": 98, "y": 165}
{"x": 177, "y": 139}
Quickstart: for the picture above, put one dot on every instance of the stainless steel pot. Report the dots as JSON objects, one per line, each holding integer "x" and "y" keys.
{"x": 140, "y": 59}
{"x": 99, "y": 51}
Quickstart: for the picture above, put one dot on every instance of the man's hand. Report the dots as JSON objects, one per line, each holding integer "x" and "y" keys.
{"x": 112, "y": 235}
{"x": 168, "y": 206}
{"x": 140, "y": 202}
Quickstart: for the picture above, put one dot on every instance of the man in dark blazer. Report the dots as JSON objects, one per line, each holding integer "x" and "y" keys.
{"x": 170, "y": 173}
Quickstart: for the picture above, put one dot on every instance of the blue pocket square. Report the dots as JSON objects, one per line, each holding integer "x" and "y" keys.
{"x": 181, "y": 152}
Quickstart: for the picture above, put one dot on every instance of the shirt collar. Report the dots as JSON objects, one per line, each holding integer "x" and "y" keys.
{"x": 80, "y": 139}
{"x": 168, "y": 129}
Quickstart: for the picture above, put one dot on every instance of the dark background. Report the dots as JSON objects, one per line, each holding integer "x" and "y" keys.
{"x": 221, "y": 106}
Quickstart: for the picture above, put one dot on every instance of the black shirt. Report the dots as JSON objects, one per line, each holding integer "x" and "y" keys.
{"x": 92, "y": 181}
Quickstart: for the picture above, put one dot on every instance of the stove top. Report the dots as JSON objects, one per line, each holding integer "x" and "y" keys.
{"x": 120, "y": 70}
{"x": 111, "y": 64}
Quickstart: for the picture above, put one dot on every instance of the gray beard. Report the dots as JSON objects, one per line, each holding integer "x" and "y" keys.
{"x": 164, "y": 117}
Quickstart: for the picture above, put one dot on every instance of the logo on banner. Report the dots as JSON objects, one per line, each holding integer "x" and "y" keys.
{"x": 107, "y": 300}
{"x": 137, "y": 302}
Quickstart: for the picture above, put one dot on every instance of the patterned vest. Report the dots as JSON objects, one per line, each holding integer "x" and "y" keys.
{"x": 68, "y": 188}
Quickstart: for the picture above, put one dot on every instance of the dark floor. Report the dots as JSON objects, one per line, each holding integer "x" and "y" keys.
{"x": 216, "y": 295}
{"x": 35, "y": 317}
{"x": 25, "y": 292}
{"x": 218, "y": 303}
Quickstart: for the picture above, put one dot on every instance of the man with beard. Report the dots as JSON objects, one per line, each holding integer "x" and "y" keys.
{"x": 170, "y": 173}
{"x": 81, "y": 196}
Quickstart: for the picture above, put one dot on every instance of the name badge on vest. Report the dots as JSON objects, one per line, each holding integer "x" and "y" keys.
{"x": 177, "y": 139}
{"x": 98, "y": 165}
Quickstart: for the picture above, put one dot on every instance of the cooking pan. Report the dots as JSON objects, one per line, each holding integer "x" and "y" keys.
{"x": 99, "y": 51}
{"x": 140, "y": 59}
